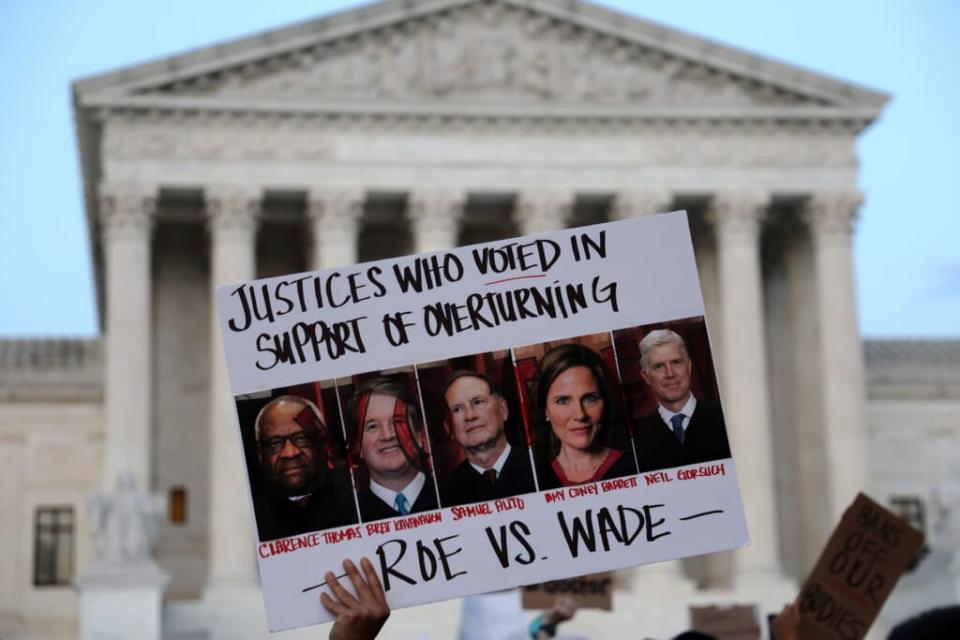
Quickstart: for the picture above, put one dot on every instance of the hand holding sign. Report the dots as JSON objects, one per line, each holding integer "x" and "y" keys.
{"x": 786, "y": 625}
{"x": 359, "y": 617}
{"x": 470, "y": 420}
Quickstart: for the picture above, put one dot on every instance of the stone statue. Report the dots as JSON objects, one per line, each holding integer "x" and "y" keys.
{"x": 124, "y": 522}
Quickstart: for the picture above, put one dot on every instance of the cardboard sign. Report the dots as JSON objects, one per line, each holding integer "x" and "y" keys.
{"x": 594, "y": 591}
{"x": 737, "y": 622}
{"x": 864, "y": 558}
{"x": 425, "y": 411}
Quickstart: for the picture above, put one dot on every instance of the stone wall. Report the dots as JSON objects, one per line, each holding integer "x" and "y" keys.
{"x": 51, "y": 433}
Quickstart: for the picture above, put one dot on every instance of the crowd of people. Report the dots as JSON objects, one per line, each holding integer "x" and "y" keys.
{"x": 361, "y": 615}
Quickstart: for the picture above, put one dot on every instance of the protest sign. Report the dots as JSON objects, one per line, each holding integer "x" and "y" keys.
{"x": 363, "y": 436}
{"x": 861, "y": 563}
{"x": 737, "y": 622}
{"x": 594, "y": 591}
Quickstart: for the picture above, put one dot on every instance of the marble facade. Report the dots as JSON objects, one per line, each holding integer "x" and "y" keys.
{"x": 415, "y": 126}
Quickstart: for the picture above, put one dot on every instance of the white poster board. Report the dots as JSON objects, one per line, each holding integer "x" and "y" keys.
{"x": 311, "y": 357}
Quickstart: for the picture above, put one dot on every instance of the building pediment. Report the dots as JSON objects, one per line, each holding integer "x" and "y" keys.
{"x": 491, "y": 52}
{"x": 473, "y": 63}
{"x": 485, "y": 54}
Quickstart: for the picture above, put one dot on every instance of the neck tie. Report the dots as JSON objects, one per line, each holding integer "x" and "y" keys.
{"x": 677, "y": 422}
{"x": 400, "y": 504}
{"x": 490, "y": 475}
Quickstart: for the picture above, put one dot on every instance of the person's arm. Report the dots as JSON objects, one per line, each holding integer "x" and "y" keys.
{"x": 786, "y": 626}
{"x": 544, "y": 626}
{"x": 362, "y": 616}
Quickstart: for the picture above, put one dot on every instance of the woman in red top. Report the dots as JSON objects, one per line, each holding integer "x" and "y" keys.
{"x": 574, "y": 408}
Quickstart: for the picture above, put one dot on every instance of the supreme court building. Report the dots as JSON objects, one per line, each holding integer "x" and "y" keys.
{"x": 418, "y": 125}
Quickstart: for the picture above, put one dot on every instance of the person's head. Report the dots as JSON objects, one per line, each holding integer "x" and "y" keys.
{"x": 477, "y": 412}
{"x": 666, "y": 367}
{"x": 928, "y": 625}
{"x": 574, "y": 399}
{"x": 288, "y": 432}
{"x": 389, "y": 430}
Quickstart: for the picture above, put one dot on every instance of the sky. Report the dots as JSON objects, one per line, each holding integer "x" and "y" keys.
{"x": 906, "y": 257}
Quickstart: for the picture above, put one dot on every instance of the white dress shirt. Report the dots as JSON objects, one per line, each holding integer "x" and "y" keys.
{"x": 411, "y": 492}
{"x": 498, "y": 465}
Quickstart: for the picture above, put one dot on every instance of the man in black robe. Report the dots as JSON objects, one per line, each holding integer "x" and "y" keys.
{"x": 492, "y": 468}
{"x": 682, "y": 430}
{"x": 390, "y": 434}
{"x": 304, "y": 491}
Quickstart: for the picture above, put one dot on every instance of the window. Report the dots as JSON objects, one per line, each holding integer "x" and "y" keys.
{"x": 911, "y": 509}
{"x": 53, "y": 546}
{"x": 177, "y": 505}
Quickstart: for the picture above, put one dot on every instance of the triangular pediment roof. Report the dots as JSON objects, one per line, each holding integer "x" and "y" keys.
{"x": 471, "y": 60}
{"x": 484, "y": 57}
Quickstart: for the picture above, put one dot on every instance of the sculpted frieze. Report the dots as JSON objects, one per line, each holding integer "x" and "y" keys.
{"x": 485, "y": 52}
{"x": 230, "y": 140}
{"x": 223, "y": 141}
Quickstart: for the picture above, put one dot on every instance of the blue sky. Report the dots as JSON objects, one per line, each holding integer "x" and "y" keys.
{"x": 906, "y": 256}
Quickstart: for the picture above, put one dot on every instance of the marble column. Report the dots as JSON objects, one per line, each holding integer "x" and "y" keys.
{"x": 334, "y": 216}
{"x": 737, "y": 219}
{"x": 232, "y": 215}
{"x": 812, "y": 520}
{"x": 436, "y": 217}
{"x": 843, "y": 403}
{"x": 538, "y": 211}
{"x": 665, "y": 579}
{"x": 633, "y": 204}
{"x": 126, "y": 218}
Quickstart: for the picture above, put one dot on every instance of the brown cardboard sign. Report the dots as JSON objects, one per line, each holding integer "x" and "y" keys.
{"x": 861, "y": 563}
{"x": 738, "y": 622}
{"x": 592, "y": 591}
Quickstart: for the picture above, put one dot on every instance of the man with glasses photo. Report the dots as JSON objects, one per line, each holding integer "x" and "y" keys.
{"x": 492, "y": 469}
{"x": 305, "y": 490}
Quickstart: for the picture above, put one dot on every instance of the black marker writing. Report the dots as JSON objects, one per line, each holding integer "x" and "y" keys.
{"x": 489, "y": 310}
{"x": 500, "y": 545}
{"x": 584, "y": 247}
{"x": 392, "y": 552}
{"x": 428, "y": 273}
{"x": 516, "y": 256}
{"x": 317, "y": 341}
{"x": 267, "y": 302}
{"x": 395, "y": 328}
{"x": 583, "y": 531}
